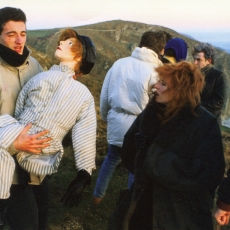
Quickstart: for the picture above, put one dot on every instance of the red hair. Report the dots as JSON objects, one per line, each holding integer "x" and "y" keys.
{"x": 185, "y": 85}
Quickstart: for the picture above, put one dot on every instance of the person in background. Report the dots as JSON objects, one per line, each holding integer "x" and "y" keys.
{"x": 48, "y": 101}
{"x": 25, "y": 208}
{"x": 175, "y": 50}
{"x": 213, "y": 94}
{"x": 125, "y": 93}
{"x": 174, "y": 148}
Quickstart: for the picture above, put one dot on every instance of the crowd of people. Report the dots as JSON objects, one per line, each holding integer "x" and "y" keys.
{"x": 163, "y": 118}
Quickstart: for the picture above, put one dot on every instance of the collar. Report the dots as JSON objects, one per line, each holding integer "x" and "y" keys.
{"x": 206, "y": 69}
{"x": 170, "y": 59}
{"x": 12, "y": 58}
{"x": 63, "y": 68}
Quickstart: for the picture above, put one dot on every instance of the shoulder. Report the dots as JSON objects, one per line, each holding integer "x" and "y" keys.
{"x": 204, "y": 117}
{"x": 121, "y": 61}
{"x": 33, "y": 61}
{"x": 82, "y": 89}
{"x": 215, "y": 72}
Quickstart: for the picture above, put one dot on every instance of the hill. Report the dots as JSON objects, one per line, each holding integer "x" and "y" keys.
{"x": 113, "y": 40}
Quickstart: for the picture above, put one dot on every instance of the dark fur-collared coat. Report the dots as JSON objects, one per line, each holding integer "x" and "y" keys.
{"x": 177, "y": 168}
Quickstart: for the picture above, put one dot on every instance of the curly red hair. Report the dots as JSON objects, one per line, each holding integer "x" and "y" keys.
{"x": 185, "y": 85}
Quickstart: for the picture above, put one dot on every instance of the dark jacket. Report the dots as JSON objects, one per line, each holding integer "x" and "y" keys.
{"x": 213, "y": 94}
{"x": 177, "y": 170}
{"x": 223, "y": 201}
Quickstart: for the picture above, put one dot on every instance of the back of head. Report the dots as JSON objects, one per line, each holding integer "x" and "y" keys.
{"x": 154, "y": 40}
{"x": 207, "y": 49}
{"x": 11, "y": 14}
{"x": 176, "y": 48}
{"x": 186, "y": 84}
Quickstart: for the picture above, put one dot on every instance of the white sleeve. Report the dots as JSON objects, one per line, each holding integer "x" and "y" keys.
{"x": 84, "y": 137}
{"x": 22, "y": 98}
{"x": 104, "y": 104}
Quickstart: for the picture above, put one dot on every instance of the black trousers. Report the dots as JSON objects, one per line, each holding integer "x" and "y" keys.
{"x": 27, "y": 207}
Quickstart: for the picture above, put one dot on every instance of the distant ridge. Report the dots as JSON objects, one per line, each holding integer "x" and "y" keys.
{"x": 113, "y": 40}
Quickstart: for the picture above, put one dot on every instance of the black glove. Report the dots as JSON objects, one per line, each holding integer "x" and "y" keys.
{"x": 74, "y": 192}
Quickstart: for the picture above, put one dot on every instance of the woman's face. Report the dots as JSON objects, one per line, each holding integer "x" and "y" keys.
{"x": 64, "y": 52}
{"x": 162, "y": 93}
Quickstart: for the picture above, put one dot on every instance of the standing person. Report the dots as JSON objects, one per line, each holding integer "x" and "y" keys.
{"x": 213, "y": 94}
{"x": 175, "y": 50}
{"x": 125, "y": 93}
{"x": 54, "y": 101}
{"x": 26, "y": 209}
{"x": 174, "y": 148}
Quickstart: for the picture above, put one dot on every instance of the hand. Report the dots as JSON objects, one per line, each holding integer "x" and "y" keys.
{"x": 221, "y": 216}
{"x": 31, "y": 143}
{"x": 74, "y": 192}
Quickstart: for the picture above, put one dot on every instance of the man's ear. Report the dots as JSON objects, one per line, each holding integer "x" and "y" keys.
{"x": 209, "y": 60}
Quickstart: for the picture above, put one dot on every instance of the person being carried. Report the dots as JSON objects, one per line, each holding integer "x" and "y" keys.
{"x": 54, "y": 101}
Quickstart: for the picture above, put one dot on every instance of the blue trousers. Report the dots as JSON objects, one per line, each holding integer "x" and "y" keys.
{"x": 109, "y": 164}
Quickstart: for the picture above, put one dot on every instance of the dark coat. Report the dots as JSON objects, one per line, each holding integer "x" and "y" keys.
{"x": 177, "y": 170}
{"x": 213, "y": 94}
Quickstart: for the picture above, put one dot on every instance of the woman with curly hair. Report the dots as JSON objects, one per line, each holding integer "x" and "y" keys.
{"x": 174, "y": 149}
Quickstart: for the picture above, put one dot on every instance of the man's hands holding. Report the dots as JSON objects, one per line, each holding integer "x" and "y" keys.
{"x": 31, "y": 143}
{"x": 74, "y": 192}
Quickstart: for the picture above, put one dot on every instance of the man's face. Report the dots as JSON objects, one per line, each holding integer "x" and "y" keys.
{"x": 200, "y": 60}
{"x": 13, "y": 36}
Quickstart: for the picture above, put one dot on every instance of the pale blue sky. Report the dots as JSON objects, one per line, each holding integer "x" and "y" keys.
{"x": 187, "y": 16}
{"x": 176, "y": 14}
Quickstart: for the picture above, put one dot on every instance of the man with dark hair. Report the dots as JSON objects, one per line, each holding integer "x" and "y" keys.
{"x": 125, "y": 93}
{"x": 26, "y": 207}
{"x": 213, "y": 94}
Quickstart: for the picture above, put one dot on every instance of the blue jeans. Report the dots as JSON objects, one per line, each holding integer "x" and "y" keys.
{"x": 109, "y": 164}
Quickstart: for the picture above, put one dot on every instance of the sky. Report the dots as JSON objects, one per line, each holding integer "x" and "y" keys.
{"x": 192, "y": 17}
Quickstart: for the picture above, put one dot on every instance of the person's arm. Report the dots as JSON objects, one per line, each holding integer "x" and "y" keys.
{"x": 222, "y": 212}
{"x": 24, "y": 142}
{"x": 84, "y": 144}
{"x": 104, "y": 103}
{"x": 129, "y": 150}
{"x": 204, "y": 170}
{"x": 22, "y": 96}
